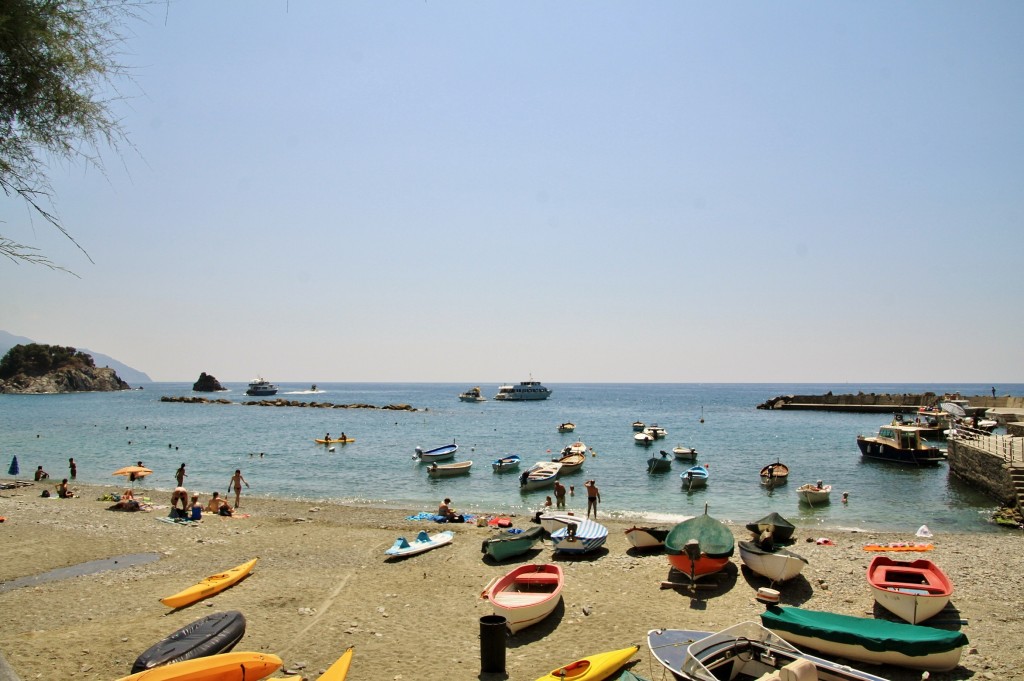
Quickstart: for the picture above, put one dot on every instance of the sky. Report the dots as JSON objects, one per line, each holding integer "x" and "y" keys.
{"x": 571, "y": 191}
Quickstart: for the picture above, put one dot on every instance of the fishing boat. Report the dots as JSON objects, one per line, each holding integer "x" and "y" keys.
{"x": 506, "y": 463}
{"x": 867, "y": 640}
{"x": 647, "y": 538}
{"x": 775, "y": 474}
{"x": 580, "y": 537}
{"x": 526, "y": 595}
{"x": 437, "y": 453}
{"x": 684, "y": 453}
{"x": 210, "y": 635}
{"x": 778, "y": 565}
{"x": 213, "y": 584}
{"x": 504, "y": 545}
{"x": 743, "y": 651}
{"x": 643, "y": 439}
{"x": 659, "y": 464}
{"x": 224, "y": 667}
{"x": 447, "y": 470}
{"x": 694, "y": 477}
{"x": 540, "y": 474}
{"x": 472, "y": 395}
{"x": 638, "y": 426}
{"x": 813, "y": 494}
{"x": 566, "y": 427}
{"x": 423, "y": 542}
{"x": 912, "y": 590}
{"x": 571, "y": 462}
{"x": 258, "y": 388}
{"x": 700, "y": 546}
{"x": 593, "y": 667}
{"x": 524, "y": 391}
{"x": 900, "y": 443}
{"x": 780, "y": 530}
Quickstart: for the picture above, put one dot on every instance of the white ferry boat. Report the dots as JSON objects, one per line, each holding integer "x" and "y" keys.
{"x": 260, "y": 387}
{"x": 526, "y": 390}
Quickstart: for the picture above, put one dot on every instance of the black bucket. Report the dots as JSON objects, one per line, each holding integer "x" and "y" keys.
{"x": 492, "y": 644}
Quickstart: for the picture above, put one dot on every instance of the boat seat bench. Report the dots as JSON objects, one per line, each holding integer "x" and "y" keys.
{"x": 537, "y": 578}
{"x": 909, "y": 587}
{"x": 513, "y": 599}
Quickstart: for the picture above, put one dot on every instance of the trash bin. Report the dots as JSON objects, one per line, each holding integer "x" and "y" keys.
{"x": 492, "y": 644}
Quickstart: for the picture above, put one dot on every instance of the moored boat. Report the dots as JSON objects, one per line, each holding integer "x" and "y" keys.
{"x": 472, "y": 395}
{"x": 813, "y": 494}
{"x": 900, "y": 443}
{"x": 778, "y": 565}
{"x": 638, "y": 426}
{"x": 504, "y": 545}
{"x": 684, "y": 453}
{"x": 659, "y": 464}
{"x": 437, "y": 453}
{"x": 506, "y": 463}
{"x": 700, "y": 546}
{"x": 566, "y": 427}
{"x": 647, "y": 538}
{"x": 447, "y": 470}
{"x": 694, "y": 477}
{"x": 644, "y": 439}
{"x": 775, "y": 474}
{"x": 213, "y": 584}
{"x": 540, "y": 474}
{"x": 912, "y": 590}
{"x": 526, "y": 595}
{"x": 260, "y": 388}
{"x": 522, "y": 392}
{"x": 423, "y": 542}
{"x": 571, "y": 462}
{"x": 655, "y": 431}
{"x": 867, "y": 640}
{"x": 593, "y": 667}
{"x": 581, "y": 537}
{"x": 211, "y": 635}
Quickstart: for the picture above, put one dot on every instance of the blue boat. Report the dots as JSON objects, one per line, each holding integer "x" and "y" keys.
{"x": 694, "y": 477}
{"x": 437, "y": 453}
{"x": 579, "y": 538}
{"x": 422, "y": 542}
{"x": 506, "y": 463}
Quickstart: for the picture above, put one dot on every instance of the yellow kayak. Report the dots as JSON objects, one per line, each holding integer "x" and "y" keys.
{"x": 594, "y": 667}
{"x": 321, "y": 441}
{"x": 336, "y": 672}
{"x": 208, "y": 587}
{"x": 224, "y": 667}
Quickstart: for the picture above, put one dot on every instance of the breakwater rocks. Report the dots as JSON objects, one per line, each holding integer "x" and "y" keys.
{"x": 279, "y": 402}
{"x": 861, "y": 402}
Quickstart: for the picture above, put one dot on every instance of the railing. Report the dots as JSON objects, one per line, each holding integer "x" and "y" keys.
{"x": 1010, "y": 448}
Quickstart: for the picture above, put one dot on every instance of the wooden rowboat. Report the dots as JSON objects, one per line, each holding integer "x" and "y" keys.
{"x": 437, "y": 453}
{"x": 213, "y": 584}
{"x": 775, "y": 474}
{"x": 912, "y": 590}
{"x": 506, "y": 463}
{"x": 700, "y": 546}
{"x": 526, "y": 595}
{"x": 778, "y": 565}
{"x": 659, "y": 464}
{"x": 647, "y": 538}
{"x": 812, "y": 494}
{"x": 446, "y": 470}
{"x": 504, "y": 545}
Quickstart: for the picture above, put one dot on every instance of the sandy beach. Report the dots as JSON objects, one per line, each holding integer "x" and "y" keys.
{"x": 322, "y": 584}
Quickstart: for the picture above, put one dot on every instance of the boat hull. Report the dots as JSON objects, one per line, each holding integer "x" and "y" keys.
{"x": 914, "y": 591}
{"x": 777, "y": 566}
{"x": 589, "y": 536}
{"x": 213, "y": 584}
{"x": 713, "y": 543}
{"x": 508, "y": 463}
{"x": 526, "y": 595}
{"x": 423, "y": 542}
{"x": 695, "y": 477}
{"x": 505, "y": 546}
{"x": 593, "y": 667}
{"x": 813, "y": 496}
{"x": 225, "y": 667}
{"x": 684, "y": 453}
{"x": 211, "y": 635}
{"x": 539, "y": 475}
{"x": 647, "y": 538}
{"x": 437, "y": 453}
{"x": 659, "y": 464}
{"x": 450, "y": 470}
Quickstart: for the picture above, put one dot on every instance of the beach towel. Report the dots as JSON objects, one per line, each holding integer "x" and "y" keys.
{"x": 899, "y": 546}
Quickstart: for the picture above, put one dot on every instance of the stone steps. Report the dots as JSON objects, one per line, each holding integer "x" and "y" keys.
{"x": 1017, "y": 476}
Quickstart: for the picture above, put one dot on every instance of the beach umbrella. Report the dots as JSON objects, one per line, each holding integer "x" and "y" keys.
{"x": 133, "y": 473}
{"x": 13, "y": 470}
{"x": 953, "y": 408}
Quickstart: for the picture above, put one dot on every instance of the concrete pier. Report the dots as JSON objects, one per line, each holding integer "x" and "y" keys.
{"x": 885, "y": 403}
{"x": 993, "y": 464}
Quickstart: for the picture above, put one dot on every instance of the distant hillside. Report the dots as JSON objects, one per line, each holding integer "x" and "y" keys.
{"x": 132, "y": 376}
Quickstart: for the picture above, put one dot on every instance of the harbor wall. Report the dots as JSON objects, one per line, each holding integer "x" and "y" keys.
{"x": 883, "y": 402}
{"x": 985, "y": 470}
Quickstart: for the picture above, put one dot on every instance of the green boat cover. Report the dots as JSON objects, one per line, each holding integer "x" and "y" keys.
{"x": 715, "y": 539}
{"x": 627, "y": 675}
{"x": 912, "y": 640}
{"x": 781, "y": 528}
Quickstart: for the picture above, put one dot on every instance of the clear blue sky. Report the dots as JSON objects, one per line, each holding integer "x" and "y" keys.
{"x": 577, "y": 191}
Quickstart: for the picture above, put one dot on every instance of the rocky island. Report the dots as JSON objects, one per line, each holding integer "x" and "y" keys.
{"x": 44, "y": 369}
{"x": 207, "y": 384}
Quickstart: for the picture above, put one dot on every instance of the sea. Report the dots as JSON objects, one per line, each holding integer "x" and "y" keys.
{"x": 274, "y": 449}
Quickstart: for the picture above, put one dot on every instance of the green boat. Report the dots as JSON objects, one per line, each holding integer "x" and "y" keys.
{"x": 503, "y": 546}
{"x": 700, "y": 546}
{"x": 867, "y": 640}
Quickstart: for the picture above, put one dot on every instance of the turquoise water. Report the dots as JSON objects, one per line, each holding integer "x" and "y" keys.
{"x": 104, "y": 431}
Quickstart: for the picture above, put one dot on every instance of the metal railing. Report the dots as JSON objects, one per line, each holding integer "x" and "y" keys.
{"x": 1009, "y": 447}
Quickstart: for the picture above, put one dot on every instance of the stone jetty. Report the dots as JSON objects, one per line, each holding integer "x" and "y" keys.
{"x": 885, "y": 402}
{"x": 280, "y": 402}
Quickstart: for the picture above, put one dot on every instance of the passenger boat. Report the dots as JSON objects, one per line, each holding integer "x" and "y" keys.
{"x": 524, "y": 391}
{"x": 780, "y": 530}
{"x": 447, "y": 470}
{"x": 778, "y": 565}
{"x": 540, "y": 474}
{"x": 526, "y": 595}
{"x": 659, "y": 464}
{"x": 503, "y": 546}
{"x": 593, "y": 667}
{"x": 571, "y": 462}
{"x": 566, "y": 427}
{"x": 700, "y": 546}
{"x": 694, "y": 477}
{"x": 472, "y": 395}
{"x": 813, "y": 494}
{"x": 655, "y": 431}
{"x": 211, "y": 635}
{"x": 867, "y": 640}
{"x": 900, "y": 443}
{"x": 644, "y": 439}
{"x": 580, "y": 537}
{"x": 259, "y": 388}
{"x": 437, "y": 453}
{"x": 775, "y": 474}
{"x": 647, "y": 538}
{"x": 742, "y": 651}
{"x": 912, "y": 590}
{"x": 506, "y": 463}
{"x": 224, "y": 667}
{"x": 213, "y": 584}
{"x": 684, "y": 453}
{"x": 423, "y": 542}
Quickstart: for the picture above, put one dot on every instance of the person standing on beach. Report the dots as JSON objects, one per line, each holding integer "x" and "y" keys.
{"x": 180, "y": 475}
{"x": 236, "y": 484}
{"x": 559, "y": 494}
{"x": 593, "y": 497}
{"x": 73, "y": 467}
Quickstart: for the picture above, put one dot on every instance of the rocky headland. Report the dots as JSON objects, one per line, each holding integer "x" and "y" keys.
{"x": 52, "y": 369}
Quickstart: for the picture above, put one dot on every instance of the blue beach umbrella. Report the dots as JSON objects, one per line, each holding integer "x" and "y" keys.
{"x": 13, "y": 470}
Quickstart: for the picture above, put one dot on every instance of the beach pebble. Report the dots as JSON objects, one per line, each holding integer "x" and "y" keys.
{"x": 586, "y": 610}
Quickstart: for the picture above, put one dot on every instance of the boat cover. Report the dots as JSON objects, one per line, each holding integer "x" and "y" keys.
{"x": 781, "y": 528}
{"x": 874, "y": 635}
{"x": 528, "y": 536}
{"x": 715, "y": 539}
{"x": 211, "y": 635}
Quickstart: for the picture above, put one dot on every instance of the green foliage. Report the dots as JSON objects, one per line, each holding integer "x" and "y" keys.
{"x": 35, "y": 359}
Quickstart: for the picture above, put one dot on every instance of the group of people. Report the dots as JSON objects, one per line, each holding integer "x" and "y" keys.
{"x": 72, "y": 468}
{"x": 191, "y": 509}
{"x": 593, "y": 496}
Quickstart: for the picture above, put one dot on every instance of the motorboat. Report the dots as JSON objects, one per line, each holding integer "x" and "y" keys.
{"x": 540, "y": 474}
{"x": 684, "y": 453}
{"x": 596, "y": 667}
{"x": 780, "y": 530}
{"x": 778, "y": 565}
{"x": 447, "y": 470}
{"x": 647, "y": 538}
{"x": 900, "y": 443}
{"x": 700, "y": 546}
{"x": 659, "y": 464}
{"x": 580, "y": 537}
{"x": 694, "y": 477}
{"x": 506, "y": 463}
{"x": 472, "y": 395}
{"x": 437, "y": 453}
{"x": 423, "y": 542}
{"x": 813, "y": 494}
{"x": 260, "y": 388}
{"x": 507, "y": 544}
{"x": 526, "y": 595}
{"x": 655, "y": 431}
{"x": 863, "y": 639}
{"x": 743, "y": 651}
{"x": 566, "y": 427}
{"x": 523, "y": 391}
{"x": 638, "y": 426}
{"x": 643, "y": 439}
{"x": 775, "y": 474}
{"x": 912, "y": 590}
